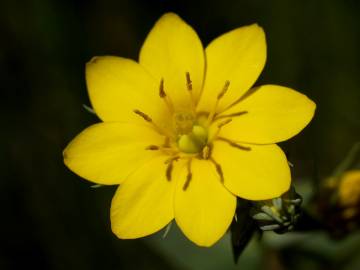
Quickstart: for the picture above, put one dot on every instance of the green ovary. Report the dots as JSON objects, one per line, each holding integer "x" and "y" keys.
{"x": 194, "y": 141}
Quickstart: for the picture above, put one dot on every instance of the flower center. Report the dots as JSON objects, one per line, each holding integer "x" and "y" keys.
{"x": 191, "y": 136}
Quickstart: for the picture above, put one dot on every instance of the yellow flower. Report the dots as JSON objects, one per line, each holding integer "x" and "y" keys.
{"x": 349, "y": 193}
{"x": 182, "y": 133}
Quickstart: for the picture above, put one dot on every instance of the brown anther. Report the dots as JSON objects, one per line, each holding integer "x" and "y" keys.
{"x": 188, "y": 176}
{"x": 152, "y": 147}
{"x": 220, "y": 96}
{"x": 227, "y": 121}
{"x": 188, "y": 81}
{"x": 224, "y": 90}
{"x": 162, "y": 93}
{"x": 245, "y": 148}
{"x": 218, "y": 170}
{"x": 234, "y": 144}
{"x": 206, "y": 152}
{"x": 143, "y": 115}
{"x": 167, "y": 142}
{"x": 170, "y": 166}
{"x": 176, "y": 158}
{"x": 231, "y": 115}
{"x": 187, "y": 183}
{"x": 169, "y": 170}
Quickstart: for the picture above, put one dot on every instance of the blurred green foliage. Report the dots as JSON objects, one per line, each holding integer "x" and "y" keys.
{"x": 52, "y": 219}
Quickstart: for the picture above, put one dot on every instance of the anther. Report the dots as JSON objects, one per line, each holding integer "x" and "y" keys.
{"x": 231, "y": 115}
{"x": 224, "y": 90}
{"x": 206, "y": 152}
{"x": 170, "y": 166}
{"x": 219, "y": 96}
{"x": 234, "y": 144}
{"x": 218, "y": 170}
{"x": 220, "y": 125}
{"x": 188, "y": 176}
{"x": 189, "y": 87}
{"x": 167, "y": 142}
{"x": 174, "y": 158}
{"x": 162, "y": 93}
{"x": 152, "y": 147}
{"x": 156, "y": 127}
{"x": 169, "y": 170}
{"x": 143, "y": 115}
{"x": 188, "y": 81}
{"x": 165, "y": 97}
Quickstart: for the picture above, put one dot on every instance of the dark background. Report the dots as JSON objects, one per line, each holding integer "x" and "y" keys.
{"x": 52, "y": 219}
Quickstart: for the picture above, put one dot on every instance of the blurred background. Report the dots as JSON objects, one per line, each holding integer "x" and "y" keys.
{"x": 52, "y": 219}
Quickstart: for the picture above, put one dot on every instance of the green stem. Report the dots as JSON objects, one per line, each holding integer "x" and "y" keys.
{"x": 348, "y": 161}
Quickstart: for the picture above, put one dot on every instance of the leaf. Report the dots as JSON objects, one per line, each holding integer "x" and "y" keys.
{"x": 242, "y": 228}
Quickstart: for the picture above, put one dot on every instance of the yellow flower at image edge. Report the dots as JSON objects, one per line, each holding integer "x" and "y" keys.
{"x": 349, "y": 193}
{"x": 182, "y": 133}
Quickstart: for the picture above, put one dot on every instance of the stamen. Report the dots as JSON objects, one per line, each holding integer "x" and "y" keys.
{"x": 206, "y": 152}
{"x": 165, "y": 97}
{"x": 169, "y": 170}
{"x": 218, "y": 170}
{"x": 188, "y": 81}
{"x": 152, "y": 147}
{"x": 234, "y": 144}
{"x": 149, "y": 120}
{"x": 189, "y": 175}
{"x": 224, "y": 90}
{"x": 167, "y": 142}
{"x": 143, "y": 115}
{"x": 171, "y": 159}
{"x": 167, "y": 150}
{"x": 219, "y": 97}
{"x": 162, "y": 93}
{"x": 231, "y": 115}
{"x": 189, "y": 87}
{"x": 220, "y": 125}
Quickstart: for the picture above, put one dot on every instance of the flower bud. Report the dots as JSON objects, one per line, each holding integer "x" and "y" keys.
{"x": 279, "y": 214}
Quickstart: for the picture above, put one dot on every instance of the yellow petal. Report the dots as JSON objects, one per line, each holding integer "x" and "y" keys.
{"x": 117, "y": 86}
{"x": 106, "y": 153}
{"x": 143, "y": 204}
{"x": 274, "y": 114}
{"x": 204, "y": 210}
{"x": 257, "y": 174}
{"x": 171, "y": 49}
{"x": 237, "y": 56}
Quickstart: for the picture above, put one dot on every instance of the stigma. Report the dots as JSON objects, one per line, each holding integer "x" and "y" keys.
{"x": 194, "y": 141}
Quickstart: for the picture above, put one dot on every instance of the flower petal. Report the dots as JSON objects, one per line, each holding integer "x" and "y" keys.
{"x": 257, "y": 174}
{"x": 274, "y": 114}
{"x": 237, "y": 56}
{"x": 106, "y": 153}
{"x": 143, "y": 204}
{"x": 171, "y": 49}
{"x": 117, "y": 86}
{"x": 204, "y": 210}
